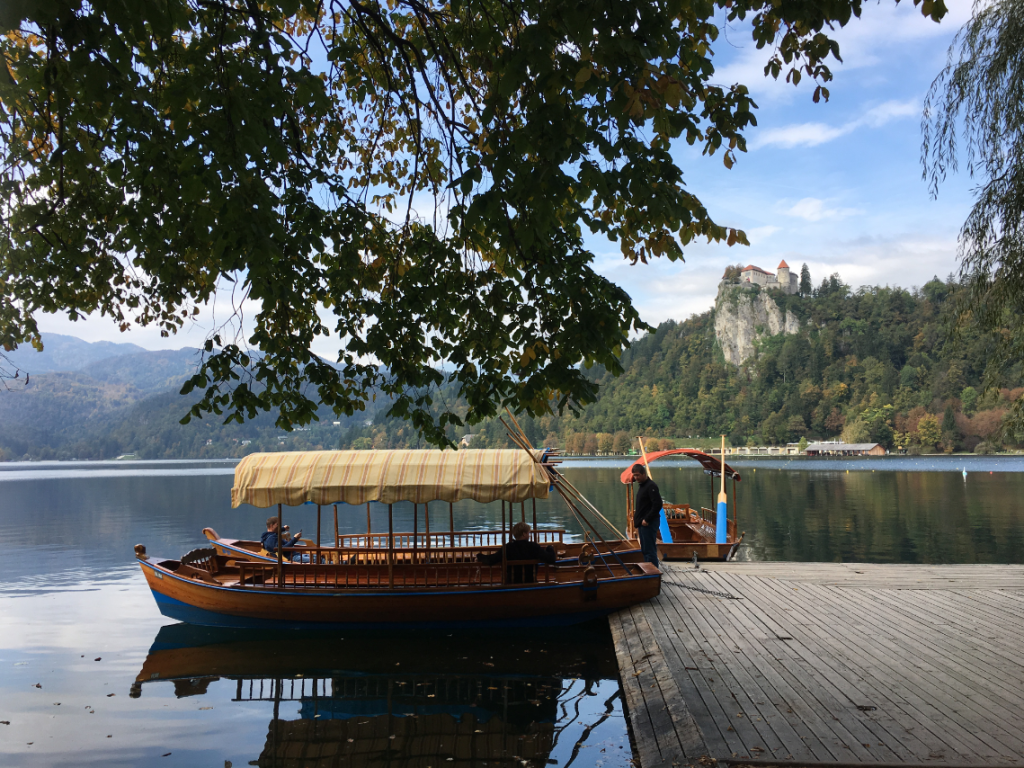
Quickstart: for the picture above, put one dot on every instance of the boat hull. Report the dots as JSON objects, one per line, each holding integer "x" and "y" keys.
{"x": 197, "y": 602}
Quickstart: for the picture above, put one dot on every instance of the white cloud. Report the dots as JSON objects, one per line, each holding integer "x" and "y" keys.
{"x": 813, "y": 209}
{"x": 801, "y": 135}
{"x": 878, "y": 116}
{"x": 813, "y": 134}
{"x": 757, "y": 235}
{"x": 908, "y": 259}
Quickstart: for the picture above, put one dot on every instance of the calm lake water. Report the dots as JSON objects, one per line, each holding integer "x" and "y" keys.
{"x": 94, "y": 675}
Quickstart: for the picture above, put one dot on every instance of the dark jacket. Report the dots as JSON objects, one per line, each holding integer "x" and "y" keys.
{"x": 648, "y": 504}
{"x": 521, "y": 550}
{"x": 269, "y": 541}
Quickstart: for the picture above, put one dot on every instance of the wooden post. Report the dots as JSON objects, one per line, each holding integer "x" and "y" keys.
{"x": 535, "y": 535}
{"x": 735, "y": 523}
{"x": 336, "y": 557}
{"x": 451, "y": 521}
{"x": 426, "y": 522}
{"x": 367, "y": 525}
{"x": 502, "y": 521}
{"x": 280, "y": 554}
{"x": 391, "y": 548}
{"x": 503, "y": 539}
{"x": 415, "y": 529}
{"x": 629, "y": 511}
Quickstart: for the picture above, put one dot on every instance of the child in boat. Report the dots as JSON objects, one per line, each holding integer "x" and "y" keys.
{"x": 270, "y": 538}
{"x": 520, "y": 548}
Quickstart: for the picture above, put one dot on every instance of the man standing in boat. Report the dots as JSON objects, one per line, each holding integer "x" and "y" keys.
{"x": 647, "y": 513}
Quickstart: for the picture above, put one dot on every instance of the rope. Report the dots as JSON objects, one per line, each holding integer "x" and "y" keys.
{"x": 713, "y": 593}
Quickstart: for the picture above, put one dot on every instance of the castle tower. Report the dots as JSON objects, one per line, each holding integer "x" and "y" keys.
{"x": 783, "y": 277}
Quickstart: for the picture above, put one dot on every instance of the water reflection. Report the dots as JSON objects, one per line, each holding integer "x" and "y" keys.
{"x": 407, "y": 700}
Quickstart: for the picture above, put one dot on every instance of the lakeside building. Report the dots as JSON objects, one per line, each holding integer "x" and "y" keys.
{"x": 844, "y": 449}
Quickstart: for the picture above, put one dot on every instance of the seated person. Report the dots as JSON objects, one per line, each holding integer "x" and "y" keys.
{"x": 270, "y": 538}
{"x": 520, "y": 548}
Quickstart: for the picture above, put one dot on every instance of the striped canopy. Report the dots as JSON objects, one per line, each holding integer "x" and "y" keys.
{"x": 356, "y": 477}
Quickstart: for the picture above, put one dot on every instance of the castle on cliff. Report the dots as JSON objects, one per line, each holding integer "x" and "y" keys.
{"x": 784, "y": 280}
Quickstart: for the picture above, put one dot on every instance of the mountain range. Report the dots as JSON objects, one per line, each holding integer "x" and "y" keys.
{"x": 762, "y": 367}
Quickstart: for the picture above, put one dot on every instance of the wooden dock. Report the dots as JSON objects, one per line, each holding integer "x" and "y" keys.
{"x": 806, "y": 663}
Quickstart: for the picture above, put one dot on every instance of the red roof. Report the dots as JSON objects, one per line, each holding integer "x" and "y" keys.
{"x": 711, "y": 463}
{"x": 783, "y": 264}
{"x": 751, "y": 267}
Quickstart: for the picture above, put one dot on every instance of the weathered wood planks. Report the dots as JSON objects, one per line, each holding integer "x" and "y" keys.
{"x": 827, "y": 663}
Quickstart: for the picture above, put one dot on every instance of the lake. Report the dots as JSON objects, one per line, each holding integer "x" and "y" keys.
{"x": 94, "y": 675}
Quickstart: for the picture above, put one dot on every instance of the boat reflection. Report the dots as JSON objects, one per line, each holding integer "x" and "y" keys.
{"x": 398, "y": 700}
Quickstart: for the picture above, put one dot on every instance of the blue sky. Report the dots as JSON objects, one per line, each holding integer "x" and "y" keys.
{"x": 834, "y": 185}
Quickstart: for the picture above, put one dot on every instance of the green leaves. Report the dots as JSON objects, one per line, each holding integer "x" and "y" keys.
{"x": 974, "y": 113}
{"x": 415, "y": 181}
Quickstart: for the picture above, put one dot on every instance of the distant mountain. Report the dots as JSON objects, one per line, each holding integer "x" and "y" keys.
{"x": 57, "y": 405}
{"x": 148, "y": 372}
{"x": 119, "y": 398}
{"x": 66, "y": 353}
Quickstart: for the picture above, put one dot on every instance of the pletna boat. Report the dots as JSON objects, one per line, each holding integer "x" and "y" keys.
{"x": 692, "y": 531}
{"x": 386, "y": 587}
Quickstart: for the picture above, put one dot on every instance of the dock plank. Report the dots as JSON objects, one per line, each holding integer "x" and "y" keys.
{"x": 822, "y": 654}
{"x": 906, "y": 676}
{"x": 827, "y": 663}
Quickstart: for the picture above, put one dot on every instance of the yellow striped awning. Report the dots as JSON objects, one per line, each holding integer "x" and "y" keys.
{"x": 356, "y": 477}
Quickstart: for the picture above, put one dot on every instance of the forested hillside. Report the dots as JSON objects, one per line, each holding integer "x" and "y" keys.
{"x": 869, "y": 365}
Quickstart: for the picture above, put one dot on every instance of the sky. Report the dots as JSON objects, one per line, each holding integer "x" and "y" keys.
{"x": 835, "y": 185}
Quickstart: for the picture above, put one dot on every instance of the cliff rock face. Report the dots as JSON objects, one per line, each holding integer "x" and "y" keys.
{"x": 741, "y": 317}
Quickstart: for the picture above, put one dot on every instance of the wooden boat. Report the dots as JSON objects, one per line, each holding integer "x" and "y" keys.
{"x": 693, "y": 529}
{"x": 376, "y": 587}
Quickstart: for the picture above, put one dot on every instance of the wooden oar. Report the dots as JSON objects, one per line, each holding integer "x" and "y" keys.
{"x": 643, "y": 453}
{"x": 722, "y": 523}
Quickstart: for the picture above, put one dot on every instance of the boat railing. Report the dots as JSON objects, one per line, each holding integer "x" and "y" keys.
{"x": 709, "y": 516}
{"x": 385, "y": 575}
{"x": 686, "y": 512}
{"x": 437, "y": 540}
{"x": 383, "y": 555}
{"x": 418, "y": 575}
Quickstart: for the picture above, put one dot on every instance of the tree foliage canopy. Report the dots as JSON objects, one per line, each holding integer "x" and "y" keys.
{"x": 976, "y": 105}
{"x": 415, "y": 179}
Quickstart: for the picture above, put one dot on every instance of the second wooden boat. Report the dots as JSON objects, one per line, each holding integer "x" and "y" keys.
{"x": 692, "y": 529}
